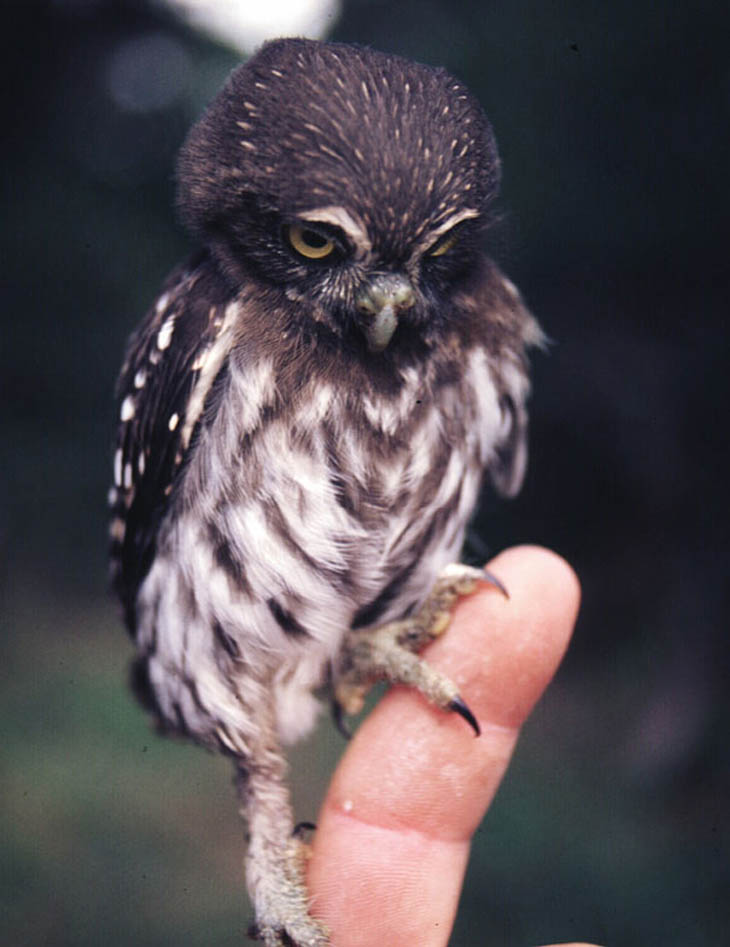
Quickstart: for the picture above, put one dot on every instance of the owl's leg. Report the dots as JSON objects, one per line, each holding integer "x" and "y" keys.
{"x": 276, "y": 856}
{"x": 390, "y": 651}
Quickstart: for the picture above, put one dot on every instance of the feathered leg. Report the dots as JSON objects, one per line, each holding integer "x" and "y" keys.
{"x": 276, "y": 856}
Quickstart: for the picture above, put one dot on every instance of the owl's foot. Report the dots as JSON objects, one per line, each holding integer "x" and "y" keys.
{"x": 390, "y": 652}
{"x": 282, "y": 912}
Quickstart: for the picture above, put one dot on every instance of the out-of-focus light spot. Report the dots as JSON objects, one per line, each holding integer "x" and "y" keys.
{"x": 244, "y": 24}
{"x": 148, "y": 73}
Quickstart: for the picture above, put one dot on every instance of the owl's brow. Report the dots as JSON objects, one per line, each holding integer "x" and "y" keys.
{"x": 340, "y": 217}
{"x": 431, "y": 236}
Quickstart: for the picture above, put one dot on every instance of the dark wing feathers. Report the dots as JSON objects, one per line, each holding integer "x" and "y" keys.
{"x": 162, "y": 366}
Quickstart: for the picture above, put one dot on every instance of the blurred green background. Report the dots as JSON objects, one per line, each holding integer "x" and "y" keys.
{"x": 613, "y": 126}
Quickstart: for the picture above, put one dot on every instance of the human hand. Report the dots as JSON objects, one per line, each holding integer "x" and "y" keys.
{"x": 394, "y": 832}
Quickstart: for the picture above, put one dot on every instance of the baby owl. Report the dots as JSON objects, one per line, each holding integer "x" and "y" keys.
{"x": 306, "y": 415}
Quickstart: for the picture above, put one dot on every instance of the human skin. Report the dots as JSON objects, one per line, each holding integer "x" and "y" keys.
{"x": 394, "y": 832}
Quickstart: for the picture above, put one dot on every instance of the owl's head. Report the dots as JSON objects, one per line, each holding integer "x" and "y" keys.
{"x": 357, "y": 182}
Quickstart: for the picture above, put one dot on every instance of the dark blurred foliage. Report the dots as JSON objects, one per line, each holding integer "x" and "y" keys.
{"x": 613, "y": 126}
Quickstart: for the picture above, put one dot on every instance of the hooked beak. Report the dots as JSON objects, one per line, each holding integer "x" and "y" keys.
{"x": 380, "y": 302}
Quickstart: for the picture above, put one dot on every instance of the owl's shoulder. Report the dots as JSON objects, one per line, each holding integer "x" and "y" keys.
{"x": 171, "y": 363}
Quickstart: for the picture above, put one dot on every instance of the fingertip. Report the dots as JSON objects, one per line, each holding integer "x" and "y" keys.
{"x": 503, "y": 652}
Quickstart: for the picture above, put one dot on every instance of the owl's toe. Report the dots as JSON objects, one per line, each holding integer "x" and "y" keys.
{"x": 389, "y": 652}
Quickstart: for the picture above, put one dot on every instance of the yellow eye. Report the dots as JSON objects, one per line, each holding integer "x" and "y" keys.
{"x": 443, "y": 245}
{"x": 312, "y": 244}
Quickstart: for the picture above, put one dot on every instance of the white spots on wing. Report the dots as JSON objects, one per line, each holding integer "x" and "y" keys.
{"x": 173, "y": 421}
{"x": 141, "y": 463}
{"x": 140, "y": 378}
{"x": 164, "y": 336}
{"x": 117, "y": 529}
{"x": 112, "y": 496}
{"x": 118, "y": 461}
{"x": 127, "y": 479}
{"x": 161, "y": 304}
{"x": 127, "y": 410}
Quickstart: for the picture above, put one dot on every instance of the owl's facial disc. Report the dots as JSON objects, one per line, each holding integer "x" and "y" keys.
{"x": 379, "y": 304}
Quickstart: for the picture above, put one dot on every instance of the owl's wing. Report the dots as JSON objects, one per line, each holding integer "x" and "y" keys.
{"x": 509, "y": 462}
{"x": 171, "y": 365}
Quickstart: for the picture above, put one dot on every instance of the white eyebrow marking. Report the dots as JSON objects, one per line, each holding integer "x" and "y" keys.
{"x": 342, "y": 218}
{"x": 432, "y": 236}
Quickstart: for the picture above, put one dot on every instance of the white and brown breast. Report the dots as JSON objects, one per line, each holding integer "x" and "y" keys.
{"x": 260, "y": 511}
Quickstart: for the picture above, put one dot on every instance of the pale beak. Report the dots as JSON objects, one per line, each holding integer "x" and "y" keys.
{"x": 381, "y": 301}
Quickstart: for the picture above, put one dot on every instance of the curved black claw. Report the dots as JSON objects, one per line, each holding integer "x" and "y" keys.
{"x": 492, "y": 579}
{"x": 459, "y": 707}
{"x": 338, "y": 715}
{"x": 301, "y": 829}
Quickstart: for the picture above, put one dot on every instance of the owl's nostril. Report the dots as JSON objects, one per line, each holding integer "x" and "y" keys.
{"x": 394, "y": 291}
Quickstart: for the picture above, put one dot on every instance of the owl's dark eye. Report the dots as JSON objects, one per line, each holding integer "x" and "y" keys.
{"x": 310, "y": 243}
{"x": 444, "y": 243}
